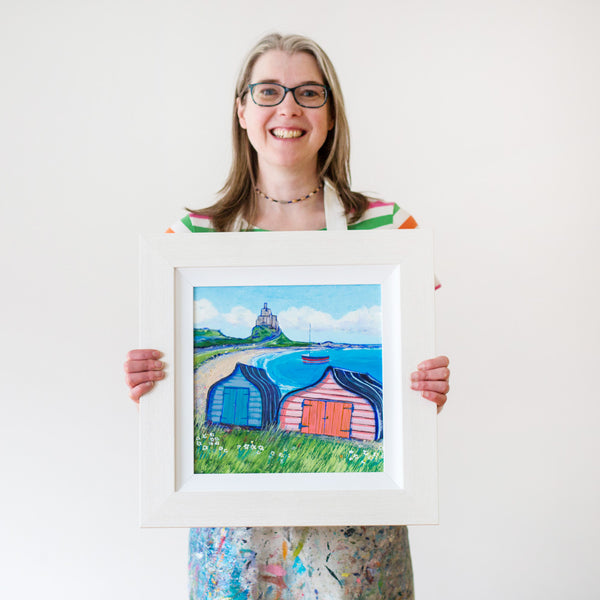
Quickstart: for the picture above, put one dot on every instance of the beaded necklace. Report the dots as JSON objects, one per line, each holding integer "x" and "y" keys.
{"x": 289, "y": 201}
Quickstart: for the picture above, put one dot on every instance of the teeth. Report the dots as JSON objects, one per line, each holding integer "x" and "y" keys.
{"x": 287, "y": 133}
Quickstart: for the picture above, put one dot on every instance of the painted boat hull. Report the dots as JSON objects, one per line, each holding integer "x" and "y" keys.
{"x": 314, "y": 359}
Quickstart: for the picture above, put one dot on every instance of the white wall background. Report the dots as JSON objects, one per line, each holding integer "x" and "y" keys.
{"x": 481, "y": 117}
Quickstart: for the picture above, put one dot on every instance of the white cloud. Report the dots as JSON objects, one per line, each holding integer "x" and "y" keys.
{"x": 207, "y": 315}
{"x": 363, "y": 320}
{"x": 239, "y": 315}
{"x": 299, "y": 318}
{"x": 204, "y": 311}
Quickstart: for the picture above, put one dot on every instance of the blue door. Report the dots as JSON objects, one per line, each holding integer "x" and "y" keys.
{"x": 235, "y": 405}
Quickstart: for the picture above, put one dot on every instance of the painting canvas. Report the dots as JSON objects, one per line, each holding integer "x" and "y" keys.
{"x": 288, "y": 379}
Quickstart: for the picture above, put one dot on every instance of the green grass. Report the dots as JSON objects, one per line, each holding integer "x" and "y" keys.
{"x": 202, "y": 357}
{"x": 212, "y": 352}
{"x": 261, "y": 336}
{"x": 275, "y": 451}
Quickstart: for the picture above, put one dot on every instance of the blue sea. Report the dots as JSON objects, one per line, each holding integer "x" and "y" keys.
{"x": 290, "y": 373}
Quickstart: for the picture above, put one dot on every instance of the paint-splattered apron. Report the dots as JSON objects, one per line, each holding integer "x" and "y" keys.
{"x": 294, "y": 563}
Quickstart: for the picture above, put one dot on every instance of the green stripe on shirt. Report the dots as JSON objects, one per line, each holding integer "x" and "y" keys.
{"x": 373, "y": 223}
{"x": 187, "y": 221}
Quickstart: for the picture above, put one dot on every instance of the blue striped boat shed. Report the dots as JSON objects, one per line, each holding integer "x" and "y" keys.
{"x": 247, "y": 397}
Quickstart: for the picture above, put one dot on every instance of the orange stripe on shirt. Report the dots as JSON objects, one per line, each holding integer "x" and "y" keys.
{"x": 410, "y": 223}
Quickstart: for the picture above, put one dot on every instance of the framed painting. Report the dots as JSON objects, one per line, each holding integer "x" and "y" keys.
{"x": 287, "y": 398}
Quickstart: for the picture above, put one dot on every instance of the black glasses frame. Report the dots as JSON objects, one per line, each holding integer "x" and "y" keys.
{"x": 251, "y": 87}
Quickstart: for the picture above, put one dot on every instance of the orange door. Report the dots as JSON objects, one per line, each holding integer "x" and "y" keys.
{"x": 337, "y": 419}
{"x": 313, "y": 416}
{"x": 328, "y": 418}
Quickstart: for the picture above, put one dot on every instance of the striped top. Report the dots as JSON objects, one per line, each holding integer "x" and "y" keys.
{"x": 379, "y": 215}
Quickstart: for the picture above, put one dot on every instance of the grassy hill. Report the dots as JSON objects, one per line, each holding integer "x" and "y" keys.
{"x": 204, "y": 338}
{"x": 260, "y": 335}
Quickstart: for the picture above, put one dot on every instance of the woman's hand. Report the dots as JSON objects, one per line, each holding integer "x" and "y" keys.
{"x": 431, "y": 378}
{"x": 142, "y": 369}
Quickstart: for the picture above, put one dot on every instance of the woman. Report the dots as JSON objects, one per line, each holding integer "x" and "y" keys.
{"x": 291, "y": 172}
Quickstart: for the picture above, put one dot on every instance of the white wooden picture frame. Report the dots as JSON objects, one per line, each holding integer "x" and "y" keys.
{"x": 171, "y": 495}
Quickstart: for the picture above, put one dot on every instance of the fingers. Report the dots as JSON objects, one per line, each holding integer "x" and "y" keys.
{"x": 133, "y": 379}
{"x": 439, "y": 399}
{"x": 143, "y": 354}
{"x": 431, "y": 379}
{"x": 439, "y": 374}
{"x": 136, "y": 392}
{"x": 142, "y": 369}
{"x": 440, "y": 387}
{"x": 434, "y": 363}
{"x": 136, "y": 366}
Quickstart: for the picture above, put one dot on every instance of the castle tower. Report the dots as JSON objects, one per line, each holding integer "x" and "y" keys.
{"x": 267, "y": 319}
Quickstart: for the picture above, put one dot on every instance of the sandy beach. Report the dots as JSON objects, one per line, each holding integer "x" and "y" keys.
{"x": 217, "y": 368}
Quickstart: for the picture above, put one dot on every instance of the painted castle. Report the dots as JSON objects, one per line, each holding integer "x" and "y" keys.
{"x": 267, "y": 319}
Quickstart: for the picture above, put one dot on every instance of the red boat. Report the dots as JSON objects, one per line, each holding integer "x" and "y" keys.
{"x": 314, "y": 358}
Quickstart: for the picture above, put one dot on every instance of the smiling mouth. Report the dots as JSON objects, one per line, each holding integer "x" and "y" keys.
{"x": 287, "y": 133}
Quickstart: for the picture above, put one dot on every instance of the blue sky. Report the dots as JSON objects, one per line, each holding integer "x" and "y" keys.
{"x": 341, "y": 313}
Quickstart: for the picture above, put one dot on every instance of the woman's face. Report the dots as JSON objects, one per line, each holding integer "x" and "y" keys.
{"x": 287, "y": 135}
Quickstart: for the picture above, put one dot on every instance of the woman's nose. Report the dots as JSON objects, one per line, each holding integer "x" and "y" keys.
{"x": 289, "y": 106}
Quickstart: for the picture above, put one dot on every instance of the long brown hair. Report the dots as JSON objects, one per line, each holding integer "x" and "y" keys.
{"x": 237, "y": 197}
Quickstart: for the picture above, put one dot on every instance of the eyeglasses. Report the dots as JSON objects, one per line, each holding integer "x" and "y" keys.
{"x": 309, "y": 95}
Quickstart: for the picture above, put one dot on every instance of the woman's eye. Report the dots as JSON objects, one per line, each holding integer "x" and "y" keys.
{"x": 311, "y": 92}
{"x": 268, "y": 92}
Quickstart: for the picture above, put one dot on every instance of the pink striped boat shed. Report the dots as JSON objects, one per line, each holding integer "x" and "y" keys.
{"x": 342, "y": 403}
